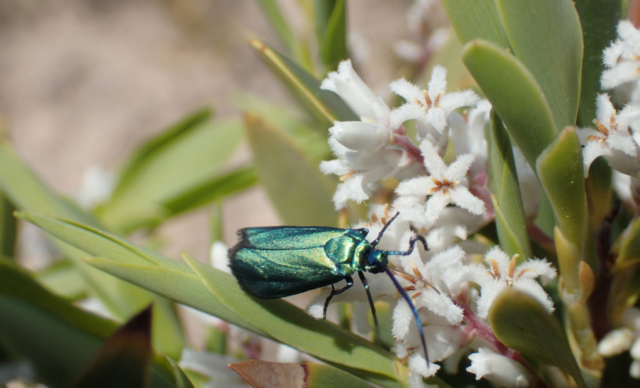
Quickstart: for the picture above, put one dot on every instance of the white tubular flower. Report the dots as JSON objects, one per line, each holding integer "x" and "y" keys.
{"x": 218, "y": 256}
{"x": 621, "y": 58}
{"x": 504, "y": 273}
{"x": 499, "y": 369}
{"x": 349, "y": 86}
{"x": 613, "y": 140}
{"x": 445, "y": 185}
{"x": 431, "y": 107}
{"x": 364, "y": 149}
{"x": 360, "y": 135}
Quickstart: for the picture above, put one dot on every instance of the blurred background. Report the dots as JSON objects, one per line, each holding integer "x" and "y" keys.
{"x": 84, "y": 82}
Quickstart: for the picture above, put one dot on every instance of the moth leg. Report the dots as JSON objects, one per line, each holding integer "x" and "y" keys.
{"x": 349, "y": 281}
{"x": 371, "y": 305}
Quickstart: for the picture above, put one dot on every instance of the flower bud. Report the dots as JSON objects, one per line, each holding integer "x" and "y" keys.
{"x": 499, "y": 369}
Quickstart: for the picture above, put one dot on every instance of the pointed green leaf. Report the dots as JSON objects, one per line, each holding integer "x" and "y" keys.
{"x": 598, "y": 19}
{"x": 522, "y": 323}
{"x": 478, "y": 19}
{"x": 27, "y": 192}
{"x": 545, "y": 36}
{"x": 293, "y": 164}
{"x": 180, "y": 377}
{"x": 211, "y": 190}
{"x": 188, "y": 158}
{"x": 264, "y": 374}
{"x": 124, "y": 359}
{"x": 333, "y": 45}
{"x": 271, "y": 10}
{"x": 326, "y": 106}
{"x": 506, "y": 197}
{"x": 515, "y": 95}
{"x": 8, "y": 227}
{"x": 561, "y": 176}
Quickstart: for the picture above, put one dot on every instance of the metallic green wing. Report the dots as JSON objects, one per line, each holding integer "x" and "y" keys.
{"x": 283, "y": 261}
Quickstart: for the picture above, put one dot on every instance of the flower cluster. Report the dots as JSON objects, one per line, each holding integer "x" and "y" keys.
{"x": 441, "y": 194}
{"x": 617, "y": 136}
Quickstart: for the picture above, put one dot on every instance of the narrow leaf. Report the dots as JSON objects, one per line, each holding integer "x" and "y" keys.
{"x": 630, "y": 248}
{"x": 211, "y": 190}
{"x": 184, "y": 162}
{"x": 506, "y": 197}
{"x": 515, "y": 95}
{"x": 276, "y": 19}
{"x": 326, "y": 106}
{"x": 522, "y": 323}
{"x": 333, "y": 46}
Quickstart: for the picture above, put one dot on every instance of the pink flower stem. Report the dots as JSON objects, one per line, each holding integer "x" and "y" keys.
{"x": 403, "y": 141}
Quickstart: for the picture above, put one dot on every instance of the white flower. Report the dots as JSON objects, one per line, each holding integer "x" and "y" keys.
{"x": 431, "y": 107}
{"x": 445, "y": 185}
{"x": 349, "y": 86}
{"x": 621, "y": 58}
{"x": 613, "y": 140}
{"x": 627, "y": 188}
{"x": 499, "y": 369}
{"x": 504, "y": 273}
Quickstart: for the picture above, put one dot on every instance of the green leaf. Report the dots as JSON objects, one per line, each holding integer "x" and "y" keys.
{"x": 264, "y": 374}
{"x": 186, "y": 158}
{"x": 99, "y": 243}
{"x": 522, "y": 323}
{"x": 506, "y": 198}
{"x": 598, "y": 19}
{"x": 333, "y": 45}
{"x": 325, "y": 106}
{"x": 545, "y": 36}
{"x": 8, "y": 228}
{"x": 478, "y": 19}
{"x": 27, "y": 192}
{"x": 124, "y": 359}
{"x": 180, "y": 377}
{"x": 212, "y": 190}
{"x": 279, "y": 24}
{"x": 561, "y": 176}
{"x": 515, "y": 95}
{"x": 56, "y": 337}
{"x": 217, "y": 293}
{"x": 630, "y": 248}
{"x": 293, "y": 164}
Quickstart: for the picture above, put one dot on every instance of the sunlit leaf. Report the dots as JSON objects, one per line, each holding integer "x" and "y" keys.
{"x": 523, "y": 324}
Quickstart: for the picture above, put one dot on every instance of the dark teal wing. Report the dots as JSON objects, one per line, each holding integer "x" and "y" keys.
{"x": 268, "y": 273}
{"x": 288, "y": 237}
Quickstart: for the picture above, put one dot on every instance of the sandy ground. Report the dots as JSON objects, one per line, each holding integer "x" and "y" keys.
{"x": 85, "y": 82}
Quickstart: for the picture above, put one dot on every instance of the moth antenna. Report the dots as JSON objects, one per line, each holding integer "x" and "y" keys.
{"x": 415, "y": 312}
{"x": 412, "y": 244}
{"x": 384, "y": 228}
